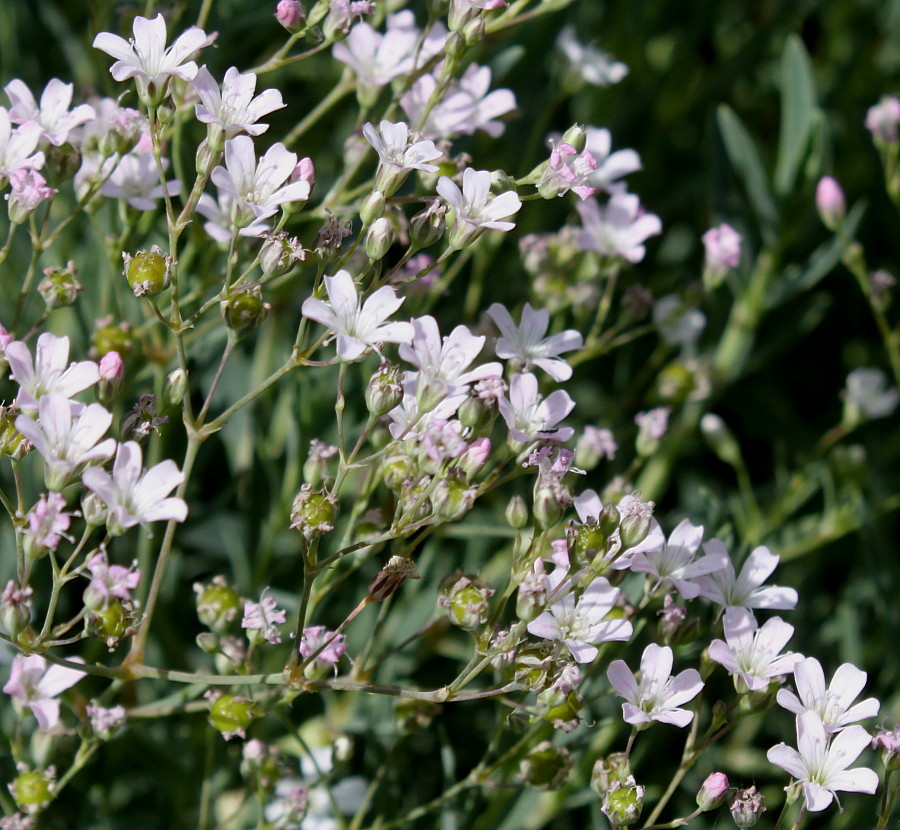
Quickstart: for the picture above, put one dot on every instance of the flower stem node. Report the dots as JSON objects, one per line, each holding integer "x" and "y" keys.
{"x": 747, "y": 807}
{"x": 148, "y": 272}
{"x": 231, "y": 715}
{"x": 244, "y": 312}
{"x": 313, "y": 512}
{"x": 33, "y": 790}
{"x": 546, "y": 766}
{"x": 465, "y": 600}
{"x": 218, "y": 604}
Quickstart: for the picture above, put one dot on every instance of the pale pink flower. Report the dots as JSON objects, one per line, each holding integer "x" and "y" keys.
{"x": 752, "y": 655}
{"x": 617, "y": 230}
{"x": 869, "y": 394}
{"x": 314, "y": 638}
{"x": 28, "y": 191}
{"x": 746, "y": 590}
{"x": 65, "y": 440}
{"x": 528, "y": 342}
{"x": 109, "y": 582}
{"x": 580, "y": 624}
{"x": 410, "y": 418}
{"x": 358, "y": 327}
{"x": 590, "y": 63}
{"x": 399, "y": 153}
{"x": 466, "y": 107}
{"x": 676, "y": 562}
{"x": 883, "y": 120}
{"x": 658, "y": 695}
{"x": 136, "y": 180}
{"x": 233, "y": 108}
{"x": 134, "y": 495}
{"x": 49, "y": 373}
{"x": 530, "y": 416}
{"x": 47, "y": 524}
{"x": 146, "y": 58}
{"x": 830, "y": 202}
{"x": 652, "y": 424}
{"x": 723, "y": 251}
{"x": 566, "y": 170}
{"x": 263, "y": 617}
{"x": 18, "y": 148}
{"x": 833, "y": 704}
{"x": 53, "y": 113}
{"x": 819, "y": 766}
{"x": 610, "y": 166}
{"x": 34, "y": 684}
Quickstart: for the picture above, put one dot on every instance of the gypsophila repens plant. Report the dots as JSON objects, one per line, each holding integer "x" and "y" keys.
{"x": 449, "y": 413}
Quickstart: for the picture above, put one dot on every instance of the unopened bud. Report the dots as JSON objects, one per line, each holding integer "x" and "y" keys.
{"x": 713, "y": 791}
{"x": 290, "y": 14}
{"x": 624, "y": 804}
{"x": 218, "y": 604}
{"x": 372, "y": 208}
{"x": 313, "y": 512}
{"x": 830, "y": 203}
{"x": 112, "y": 376}
{"x": 516, "y": 513}
{"x": 379, "y": 238}
{"x": 634, "y": 530}
{"x": 384, "y": 390}
{"x": 391, "y": 577}
{"x": 148, "y": 272}
{"x": 64, "y": 161}
{"x": 244, "y": 312}
{"x": 609, "y": 773}
{"x": 93, "y": 510}
{"x": 720, "y": 439}
{"x": 473, "y": 31}
{"x": 15, "y": 608}
{"x": 452, "y": 499}
{"x": 576, "y": 137}
{"x": 747, "y": 807}
{"x": 427, "y": 226}
{"x": 175, "y": 387}
{"x": 887, "y": 744}
{"x": 279, "y": 254}
{"x": 33, "y": 790}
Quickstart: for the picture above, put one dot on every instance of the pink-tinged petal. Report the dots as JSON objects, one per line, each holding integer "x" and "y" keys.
{"x": 100, "y": 482}
{"x": 395, "y": 333}
{"x": 559, "y": 370}
{"x": 634, "y": 715}
{"x": 846, "y": 746}
{"x": 774, "y": 598}
{"x": 775, "y": 635}
{"x": 114, "y": 46}
{"x": 504, "y": 205}
{"x": 788, "y": 759}
{"x": 59, "y": 678}
{"x": 788, "y": 700}
{"x": 864, "y": 710}
{"x": 46, "y": 711}
{"x": 740, "y": 626}
{"x": 350, "y": 348}
{"x": 612, "y": 631}
{"x": 544, "y": 626}
{"x": 476, "y": 185}
{"x": 656, "y": 664}
{"x": 160, "y": 480}
{"x": 675, "y": 717}
{"x": 686, "y": 536}
{"x": 757, "y": 569}
{"x": 582, "y": 652}
{"x": 861, "y": 780}
{"x": 816, "y": 797}
{"x": 128, "y": 464}
{"x": 149, "y": 33}
{"x": 687, "y": 589}
{"x": 450, "y": 193}
{"x": 167, "y": 510}
{"x": 686, "y": 685}
{"x": 810, "y": 680}
{"x": 383, "y": 302}
{"x": 847, "y": 683}
{"x": 621, "y": 678}
{"x": 723, "y": 655}
{"x": 811, "y": 739}
{"x": 319, "y": 311}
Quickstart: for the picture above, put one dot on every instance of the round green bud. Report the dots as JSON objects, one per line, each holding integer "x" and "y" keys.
{"x": 231, "y": 715}
{"x": 148, "y": 272}
{"x": 244, "y": 312}
{"x": 32, "y": 791}
{"x": 217, "y": 604}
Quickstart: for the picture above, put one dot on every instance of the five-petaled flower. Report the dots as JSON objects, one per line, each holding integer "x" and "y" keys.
{"x": 746, "y": 589}
{"x": 475, "y": 210}
{"x": 34, "y": 684}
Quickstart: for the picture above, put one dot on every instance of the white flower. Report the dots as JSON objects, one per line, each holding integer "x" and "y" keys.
{"x": 617, "y": 230}
{"x": 746, "y": 590}
{"x": 399, "y": 154}
{"x": 136, "y": 180}
{"x": 675, "y": 563}
{"x": 65, "y": 443}
{"x": 134, "y": 495}
{"x": 34, "y": 684}
{"x": 820, "y": 766}
{"x": 581, "y": 624}
{"x": 475, "y": 210}
{"x": 528, "y": 341}
{"x": 256, "y": 191}
{"x": 868, "y": 392}
{"x": 594, "y": 66}
{"x": 17, "y": 147}
{"x": 411, "y": 420}
{"x": 357, "y": 327}
{"x": 832, "y": 705}
{"x": 49, "y": 373}
{"x": 233, "y": 108}
{"x": 53, "y": 114}
{"x": 379, "y": 58}
{"x": 752, "y": 655}
{"x": 146, "y": 58}
{"x": 658, "y": 695}
{"x": 466, "y": 107}
{"x": 530, "y": 416}
{"x": 610, "y": 166}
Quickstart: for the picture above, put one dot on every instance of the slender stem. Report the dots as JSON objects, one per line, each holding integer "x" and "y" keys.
{"x": 226, "y": 353}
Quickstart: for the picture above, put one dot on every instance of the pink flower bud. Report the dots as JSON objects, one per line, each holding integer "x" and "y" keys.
{"x": 723, "y": 252}
{"x": 305, "y": 171}
{"x": 713, "y": 791}
{"x": 290, "y": 14}
{"x": 112, "y": 367}
{"x": 830, "y": 202}
{"x": 476, "y": 455}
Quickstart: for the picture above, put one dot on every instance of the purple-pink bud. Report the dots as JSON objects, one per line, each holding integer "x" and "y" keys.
{"x": 112, "y": 367}
{"x": 476, "y": 455}
{"x": 830, "y": 202}
{"x": 305, "y": 171}
{"x": 713, "y": 791}
{"x": 290, "y": 14}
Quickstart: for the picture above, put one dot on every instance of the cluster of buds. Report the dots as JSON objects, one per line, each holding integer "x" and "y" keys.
{"x": 623, "y": 798}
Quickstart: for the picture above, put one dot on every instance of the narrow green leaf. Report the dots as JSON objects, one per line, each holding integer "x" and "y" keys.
{"x": 798, "y": 112}
{"x": 748, "y": 165}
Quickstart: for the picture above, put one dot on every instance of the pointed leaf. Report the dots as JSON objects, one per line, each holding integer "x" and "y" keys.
{"x": 798, "y": 113}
